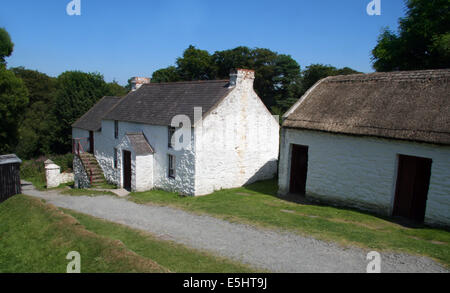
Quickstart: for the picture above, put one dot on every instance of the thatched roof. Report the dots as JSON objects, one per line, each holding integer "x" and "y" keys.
{"x": 409, "y": 105}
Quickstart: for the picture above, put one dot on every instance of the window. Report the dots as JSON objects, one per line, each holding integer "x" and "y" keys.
{"x": 171, "y": 133}
{"x": 115, "y": 158}
{"x": 116, "y": 129}
{"x": 171, "y": 166}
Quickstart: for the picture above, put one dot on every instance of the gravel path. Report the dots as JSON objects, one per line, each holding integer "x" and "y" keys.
{"x": 260, "y": 248}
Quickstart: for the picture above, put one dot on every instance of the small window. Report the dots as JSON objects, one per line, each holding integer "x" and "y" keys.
{"x": 116, "y": 129}
{"x": 115, "y": 158}
{"x": 171, "y": 133}
{"x": 171, "y": 166}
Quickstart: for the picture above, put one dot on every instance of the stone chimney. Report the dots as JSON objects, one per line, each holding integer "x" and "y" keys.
{"x": 137, "y": 82}
{"x": 242, "y": 77}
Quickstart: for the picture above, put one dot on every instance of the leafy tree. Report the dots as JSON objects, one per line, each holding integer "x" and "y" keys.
{"x": 116, "y": 90}
{"x": 316, "y": 72}
{"x": 77, "y": 92}
{"x": 423, "y": 40}
{"x": 6, "y": 46}
{"x": 195, "y": 65}
{"x": 169, "y": 74}
{"x": 13, "y": 101}
{"x": 35, "y": 129}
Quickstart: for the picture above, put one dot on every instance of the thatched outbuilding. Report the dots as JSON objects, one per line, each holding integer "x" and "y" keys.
{"x": 377, "y": 141}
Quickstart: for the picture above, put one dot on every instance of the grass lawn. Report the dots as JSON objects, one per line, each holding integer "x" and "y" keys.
{"x": 257, "y": 204}
{"x": 36, "y": 237}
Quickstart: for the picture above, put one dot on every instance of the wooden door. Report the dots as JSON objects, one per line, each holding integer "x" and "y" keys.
{"x": 127, "y": 170}
{"x": 413, "y": 181}
{"x": 91, "y": 142}
{"x": 299, "y": 169}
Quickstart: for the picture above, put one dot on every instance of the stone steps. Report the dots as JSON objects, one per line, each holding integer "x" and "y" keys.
{"x": 90, "y": 164}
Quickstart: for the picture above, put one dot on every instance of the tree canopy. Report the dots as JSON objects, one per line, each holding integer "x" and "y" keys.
{"x": 422, "y": 41}
{"x": 6, "y": 46}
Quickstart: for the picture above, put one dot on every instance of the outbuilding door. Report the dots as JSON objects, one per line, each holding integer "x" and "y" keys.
{"x": 413, "y": 181}
{"x": 127, "y": 170}
{"x": 299, "y": 169}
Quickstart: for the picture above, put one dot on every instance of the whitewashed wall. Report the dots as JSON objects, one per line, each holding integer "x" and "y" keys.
{"x": 238, "y": 143}
{"x": 158, "y": 173}
{"x": 361, "y": 171}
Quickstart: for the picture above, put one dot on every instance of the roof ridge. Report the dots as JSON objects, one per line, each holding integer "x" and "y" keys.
{"x": 393, "y": 75}
{"x": 186, "y": 82}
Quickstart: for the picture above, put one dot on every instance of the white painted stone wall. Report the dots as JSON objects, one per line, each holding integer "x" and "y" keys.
{"x": 155, "y": 173}
{"x": 54, "y": 177}
{"x": 80, "y": 176}
{"x": 238, "y": 143}
{"x": 361, "y": 171}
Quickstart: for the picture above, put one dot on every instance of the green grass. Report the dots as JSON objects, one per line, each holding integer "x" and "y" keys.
{"x": 36, "y": 237}
{"x": 257, "y": 204}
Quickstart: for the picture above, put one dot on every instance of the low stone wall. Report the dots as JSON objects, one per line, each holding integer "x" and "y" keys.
{"x": 54, "y": 177}
{"x": 81, "y": 178}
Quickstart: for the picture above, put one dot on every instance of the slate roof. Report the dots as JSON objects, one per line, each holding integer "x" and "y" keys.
{"x": 140, "y": 144}
{"x": 408, "y": 105}
{"x": 9, "y": 159}
{"x": 158, "y": 103}
{"x": 92, "y": 119}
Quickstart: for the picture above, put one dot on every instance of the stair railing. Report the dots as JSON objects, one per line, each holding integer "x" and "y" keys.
{"x": 78, "y": 149}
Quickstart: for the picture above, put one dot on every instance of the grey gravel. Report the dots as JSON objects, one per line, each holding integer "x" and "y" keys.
{"x": 261, "y": 248}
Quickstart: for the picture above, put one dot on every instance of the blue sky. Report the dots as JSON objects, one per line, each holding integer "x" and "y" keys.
{"x": 121, "y": 39}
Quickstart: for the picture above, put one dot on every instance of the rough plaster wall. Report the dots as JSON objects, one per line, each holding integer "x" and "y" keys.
{"x": 81, "y": 133}
{"x": 158, "y": 138}
{"x": 238, "y": 143}
{"x": 144, "y": 173}
{"x": 80, "y": 177}
{"x": 361, "y": 171}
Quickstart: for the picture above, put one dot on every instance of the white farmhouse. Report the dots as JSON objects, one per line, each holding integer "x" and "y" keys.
{"x": 378, "y": 141}
{"x": 229, "y": 137}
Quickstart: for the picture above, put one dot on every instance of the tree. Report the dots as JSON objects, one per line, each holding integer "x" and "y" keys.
{"x": 77, "y": 92}
{"x": 35, "y": 129}
{"x": 13, "y": 101}
{"x": 169, "y": 74}
{"x": 116, "y": 90}
{"x": 6, "y": 46}
{"x": 423, "y": 40}
{"x": 195, "y": 65}
{"x": 316, "y": 72}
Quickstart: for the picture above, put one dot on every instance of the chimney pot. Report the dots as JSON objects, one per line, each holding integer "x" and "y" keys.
{"x": 137, "y": 82}
{"x": 238, "y": 76}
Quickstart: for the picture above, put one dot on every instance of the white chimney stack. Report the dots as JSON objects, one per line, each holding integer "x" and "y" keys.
{"x": 240, "y": 76}
{"x": 137, "y": 82}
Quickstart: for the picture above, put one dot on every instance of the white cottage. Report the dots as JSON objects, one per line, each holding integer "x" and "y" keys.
{"x": 229, "y": 137}
{"x": 378, "y": 141}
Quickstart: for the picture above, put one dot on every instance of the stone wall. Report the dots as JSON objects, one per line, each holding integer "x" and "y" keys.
{"x": 54, "y": 177}
{"x": 239, "y": 141}
{"x": 81, "y": 177}
{"x": 362, "y": 171}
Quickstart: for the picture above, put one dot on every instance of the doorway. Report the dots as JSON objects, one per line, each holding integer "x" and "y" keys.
{"x": 127, "y": 170}
{"x": 91, "y": 142}
{"x": 299, "y": 169}
{"x": 413, "y": 182}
